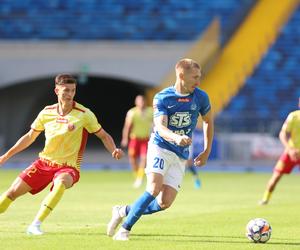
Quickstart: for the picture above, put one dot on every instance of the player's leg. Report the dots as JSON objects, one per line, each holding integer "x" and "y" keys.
{"x": 154, "y": 186}
{"x": 17, "y": 188}
{"x": 121, "y": 211}
{"x": 63, "y": 180}
{"x": 193, "y": 170}
{"x": 165, "y": 172}
{"x": 157, "y": 166}
{"x": 25, "y": 182}
{"x": 142, "y": 153}
{"x": 133, "y": 161}
{"x": 270, "y": 187}
{"x": 283, "y": 166}
{"x": 166, "y": 197}
{"x": 133, "y": 158}
{"x": 171, "y": 184}
{"x": 163, "y": 201}
{"x": 140, "y": 173}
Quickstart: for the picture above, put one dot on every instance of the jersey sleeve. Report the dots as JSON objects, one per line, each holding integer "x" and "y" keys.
{"x": 91, "y": 123}
{"x": 205, "y": 104}
{"x": 158, "y": 107}
{"x": 38, "y": 124}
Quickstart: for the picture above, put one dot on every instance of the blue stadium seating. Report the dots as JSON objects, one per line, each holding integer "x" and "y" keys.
{"x": 273, "y": 90}
{"x": 269, "y": 94}
{"x": 114, "y": 20}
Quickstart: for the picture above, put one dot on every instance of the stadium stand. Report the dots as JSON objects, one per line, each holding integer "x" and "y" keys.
{"x": 269, "y": 94}
{"x": 245, "y": 49}
{"x": 273, "y": 89}
{"x": 114, "y": 20}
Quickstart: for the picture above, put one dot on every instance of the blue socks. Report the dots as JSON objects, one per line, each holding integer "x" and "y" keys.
{"x": 193, "y": 169}
{"x": 138, "y": 208}
{"x": 152, "y": 208}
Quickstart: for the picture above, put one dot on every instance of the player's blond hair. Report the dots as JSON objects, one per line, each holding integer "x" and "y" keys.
{"x": 186, "y": 64}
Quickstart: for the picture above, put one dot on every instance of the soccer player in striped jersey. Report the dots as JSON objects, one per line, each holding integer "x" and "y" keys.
{"x": 66, "y": 125}
{"x": 135, "y": 134}
{"x": 290, "y": 138}
{"x": 176, "y": 111}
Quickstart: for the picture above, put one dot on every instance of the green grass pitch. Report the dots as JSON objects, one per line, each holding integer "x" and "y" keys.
{"x": 213, "y": 217}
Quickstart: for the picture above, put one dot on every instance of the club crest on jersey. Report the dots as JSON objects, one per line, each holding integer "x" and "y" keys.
{"x": 193, "y": 106}
{"x": 71, "y": 126}
{"x": 180, "y": 119}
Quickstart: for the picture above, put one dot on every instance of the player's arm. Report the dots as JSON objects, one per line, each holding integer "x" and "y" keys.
{"x": 208, "y": 134}
{"x": 109, "y": 144}
{"x": 24, "y": 142}
{"x": 284, "y": 137}
{"x": 161, "y": 123}
{"x": 126, "y": 128}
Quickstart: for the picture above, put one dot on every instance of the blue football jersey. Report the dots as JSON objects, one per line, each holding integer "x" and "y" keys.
{"x": 182, "y": 112}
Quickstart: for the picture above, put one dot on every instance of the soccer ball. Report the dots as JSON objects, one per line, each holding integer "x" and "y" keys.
{"x": 258, "y": 230}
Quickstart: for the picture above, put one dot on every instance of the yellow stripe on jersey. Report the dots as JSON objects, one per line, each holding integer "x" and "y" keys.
{"x": 141, "y": 123}
{"x": 66, "y": 136}
{"x": 292, "y": 126}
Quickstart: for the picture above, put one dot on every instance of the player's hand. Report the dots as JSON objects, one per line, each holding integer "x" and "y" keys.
{"x": 124, "y": 143}
{"x": 294, "y": 154}
{"x": 201, "y": 159}
{"x": 117, "y": 154}
{"x": 183, "y": 140}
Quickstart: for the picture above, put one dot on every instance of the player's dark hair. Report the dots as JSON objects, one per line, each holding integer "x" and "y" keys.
{"x": 65, "y": 78}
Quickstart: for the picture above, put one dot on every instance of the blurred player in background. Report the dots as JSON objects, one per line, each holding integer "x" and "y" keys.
{"x": 66, "y": 125}
{"x": 135, "y": 135}
{"x": 195, "y": 148}
{"x": 176, "y": 111}
{"x": 290, "y": 138}
{"x": 193, "y": 169}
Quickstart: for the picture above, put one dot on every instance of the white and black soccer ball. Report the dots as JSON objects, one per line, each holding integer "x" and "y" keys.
{"x": 258, "y": 230}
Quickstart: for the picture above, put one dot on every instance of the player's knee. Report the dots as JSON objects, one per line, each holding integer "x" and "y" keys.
{"x": 65, "y": 180}
{"x": 12, "y": 194}
{"x": 154, "y": 191}
{"x": 164, "y": 204}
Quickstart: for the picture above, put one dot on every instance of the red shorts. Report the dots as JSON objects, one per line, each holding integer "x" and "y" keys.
{"x": 285, "y": 164}
{"x": 39, "y": 174}
{"x": 138, "y": 147}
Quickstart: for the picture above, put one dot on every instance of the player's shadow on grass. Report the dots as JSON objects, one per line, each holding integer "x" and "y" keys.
{"x": 216, "y": 239}
{"x": 180, "y": 238}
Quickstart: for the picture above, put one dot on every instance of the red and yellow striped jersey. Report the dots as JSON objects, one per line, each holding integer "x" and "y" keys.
{"x": 66, "y": 136}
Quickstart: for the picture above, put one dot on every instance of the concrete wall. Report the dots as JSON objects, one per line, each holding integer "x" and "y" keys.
{"x": 116, "y": 73}
{"x": 144, "y": 63}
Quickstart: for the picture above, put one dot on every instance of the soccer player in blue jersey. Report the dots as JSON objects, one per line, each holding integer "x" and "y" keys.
{"x": 176, "y": 111}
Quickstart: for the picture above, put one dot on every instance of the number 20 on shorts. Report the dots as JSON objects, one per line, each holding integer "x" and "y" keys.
{"x": 158, "y": 163}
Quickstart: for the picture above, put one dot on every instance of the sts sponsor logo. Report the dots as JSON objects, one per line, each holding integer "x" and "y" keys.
{"x": 180, "y": 119}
